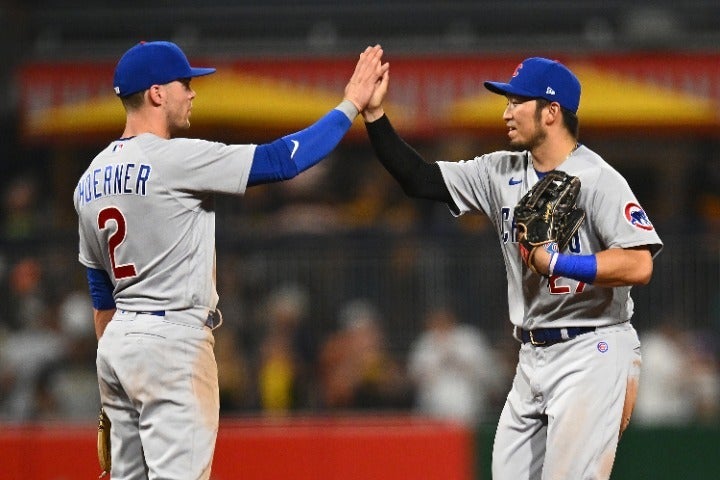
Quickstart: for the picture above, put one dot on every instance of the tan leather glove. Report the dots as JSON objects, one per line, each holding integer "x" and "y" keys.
{"x": 103, "y": 443}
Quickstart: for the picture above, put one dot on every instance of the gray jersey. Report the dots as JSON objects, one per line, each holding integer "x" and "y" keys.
{"x": 139, "y": 184}
{"x": 494, "y": 183}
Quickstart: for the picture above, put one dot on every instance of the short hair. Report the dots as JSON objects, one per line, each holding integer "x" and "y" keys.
{"x": 570, "y": 119}
{"x": 133, "y": 101}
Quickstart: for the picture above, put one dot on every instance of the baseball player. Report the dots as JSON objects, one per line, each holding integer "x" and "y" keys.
{"x": 579, "y": 356}
{"x": 147, "y": 239}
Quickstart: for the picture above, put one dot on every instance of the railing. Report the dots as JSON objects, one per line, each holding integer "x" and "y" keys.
{"x": 402, "y": 275}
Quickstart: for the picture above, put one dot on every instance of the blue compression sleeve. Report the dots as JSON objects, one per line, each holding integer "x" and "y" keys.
{"x": 285, "y": 158}
{"x": 271, "y": 163}
{"x": 578, "y": 267}
{"x": 101, "y": 289}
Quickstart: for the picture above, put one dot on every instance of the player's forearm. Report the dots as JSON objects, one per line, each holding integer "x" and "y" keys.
{"x": 624, "y": 266}
{"x": 614, "y": 267}
{"x": 417, "y": 177}
{"x": 102, "y": 318}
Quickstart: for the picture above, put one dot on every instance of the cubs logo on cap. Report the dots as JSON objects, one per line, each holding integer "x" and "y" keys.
{"x": 538, "y": 77}
{"x": 517, "y": 70}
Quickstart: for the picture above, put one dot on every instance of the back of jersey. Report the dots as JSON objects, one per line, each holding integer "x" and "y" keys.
{"x": 145, "y": 208}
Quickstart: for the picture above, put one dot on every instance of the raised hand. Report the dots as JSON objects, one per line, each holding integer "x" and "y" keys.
{"x": 374, "y": 108}
{"x": 368, "y": 73}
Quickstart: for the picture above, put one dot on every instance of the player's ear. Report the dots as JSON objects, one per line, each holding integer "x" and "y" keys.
{"x": 554, "y": 111}
{"x": 554, "y": 108}
{"x": 155, "y": 94}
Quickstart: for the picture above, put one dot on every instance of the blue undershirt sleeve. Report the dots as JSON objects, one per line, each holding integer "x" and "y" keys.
{"x": 292, "y": 154}
{"x": 101, "y": 289}
{"x": 271, "y": 163}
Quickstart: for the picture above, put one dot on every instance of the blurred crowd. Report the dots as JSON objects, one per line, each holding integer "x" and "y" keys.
{"x": 276, "y": 356}
{"x": 275, "y": 363}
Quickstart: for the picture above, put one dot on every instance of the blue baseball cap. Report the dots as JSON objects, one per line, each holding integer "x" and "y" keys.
{"x": 542, "y": 78}
{"x": 152, "y": 63}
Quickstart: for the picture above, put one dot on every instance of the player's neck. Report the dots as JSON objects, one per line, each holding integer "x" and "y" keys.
{"x": 550, "y": 155}
{"x": 137, "y": 124}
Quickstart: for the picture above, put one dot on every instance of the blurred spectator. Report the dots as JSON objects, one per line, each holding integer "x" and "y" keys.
{"x": 357, "y": 369}
{"x": 31, "y": 347}
{"x": 68, "y": 387}
{"x": 704, "y": 196}
{"x": 234, "y": 371}
{"x": 376, "y": 202}
{"x": 455, "y": 369}
{"x": 21, "y": 219}
{"x": 287, "y": 353}
{"x": 306, "y": 204}
{"x": 706, "y": 370}
{"x": 234, "y": 341}
{"x": 679, "y": 382}
{"x": 26, "y": 304}
{"x": 24, "y": 357}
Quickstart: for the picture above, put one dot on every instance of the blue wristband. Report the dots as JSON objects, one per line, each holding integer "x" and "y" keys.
{"x": 578, "y": 267}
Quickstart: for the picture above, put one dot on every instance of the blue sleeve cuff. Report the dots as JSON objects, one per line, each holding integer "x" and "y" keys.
{"x": 101, "y": 289}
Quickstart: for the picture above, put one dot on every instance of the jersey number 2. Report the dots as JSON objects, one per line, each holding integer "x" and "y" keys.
{"x": 115, "y": 240}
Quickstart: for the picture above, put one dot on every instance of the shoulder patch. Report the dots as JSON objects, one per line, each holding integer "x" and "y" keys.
{"x": 637, "y": 217}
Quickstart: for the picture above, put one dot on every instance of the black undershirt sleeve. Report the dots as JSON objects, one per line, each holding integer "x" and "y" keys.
{"x": 418, "y": 178}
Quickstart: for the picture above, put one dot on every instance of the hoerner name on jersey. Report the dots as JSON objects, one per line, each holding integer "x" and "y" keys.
{"x": 118, "y": 179}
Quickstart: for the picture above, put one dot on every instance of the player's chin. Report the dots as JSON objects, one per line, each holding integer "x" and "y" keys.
{"x": 180, "y": 127}
{"x": 517, "y": 144}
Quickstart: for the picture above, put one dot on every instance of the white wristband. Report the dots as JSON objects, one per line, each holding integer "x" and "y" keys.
{"x": 553, "y": 261}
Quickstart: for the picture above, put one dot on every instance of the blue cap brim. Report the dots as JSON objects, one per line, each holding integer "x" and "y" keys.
{"x": 199, "y": 72}
{"x": 507, "y": 89}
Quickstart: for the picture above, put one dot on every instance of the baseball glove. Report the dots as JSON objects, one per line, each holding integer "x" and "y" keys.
{"x": 548, "y": 213}
{"x": 103, "y": 443}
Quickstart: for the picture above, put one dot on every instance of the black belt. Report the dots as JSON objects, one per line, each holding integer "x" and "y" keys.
{"x": 210, "y": 321}
{"x": 542, "y": 337}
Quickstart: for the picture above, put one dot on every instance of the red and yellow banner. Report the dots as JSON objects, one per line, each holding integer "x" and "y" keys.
{"x": 429, "y": 95}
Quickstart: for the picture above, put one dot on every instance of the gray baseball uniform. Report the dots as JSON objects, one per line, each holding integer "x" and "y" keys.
{"x": 569, "y": 395}
{"x": 157, "y": 350}
{"x": 147, "y": 238}
{"x": 135, "y": 185}
{"x": 579, "y": 361}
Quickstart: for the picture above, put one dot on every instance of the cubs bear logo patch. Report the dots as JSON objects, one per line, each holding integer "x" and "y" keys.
{"x": 637, "y": 217}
